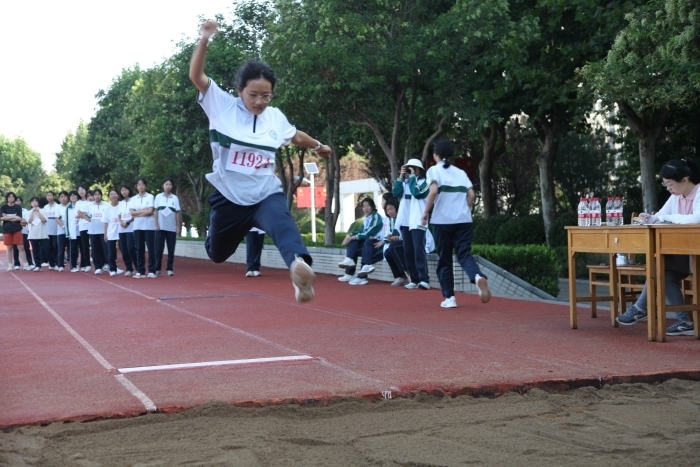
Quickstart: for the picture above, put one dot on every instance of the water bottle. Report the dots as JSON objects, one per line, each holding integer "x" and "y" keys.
{"x": 617, "y": 203}
{"x": 595, "y": 212}
{"x": 609, "y": 212}
{"x": 584, "y": 218}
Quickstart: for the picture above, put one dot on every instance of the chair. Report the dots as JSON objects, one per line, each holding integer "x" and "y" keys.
{"x": 594, "y": 280}
{"x": 630, "y": 287}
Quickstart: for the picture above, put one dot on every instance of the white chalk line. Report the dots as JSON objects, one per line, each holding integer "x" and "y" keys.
{"x": 136, "y": 392}
{"x": 180, "y": 366}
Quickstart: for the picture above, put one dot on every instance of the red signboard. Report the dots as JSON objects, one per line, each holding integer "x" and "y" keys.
{"x": 304, "y": 197}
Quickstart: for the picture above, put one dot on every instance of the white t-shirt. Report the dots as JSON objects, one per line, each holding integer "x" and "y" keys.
{"x": 36, "y": 230}
{"x": 451, "y": 204}
{"x": 72, "y": 229}
{"x": 84, "y": 206}
{"x": 125, "y": 215}
{"x": 96, "y": 212}
{"x": 111, "y": 218}
{"x": 139, "y": 202}
{"x": 243, "y": 146}
{"x": 61, "y": 214}
{"x": 25, "y": 231}
{"x": 166, "y": 207}
{"x": 51, "y": 226}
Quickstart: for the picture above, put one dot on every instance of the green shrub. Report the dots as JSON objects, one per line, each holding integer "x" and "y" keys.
{"x": 557, "y": 232}
{"x": 485, "y": 230}
{"x": 522, "y": 230}
{"x": 537, "y": 264}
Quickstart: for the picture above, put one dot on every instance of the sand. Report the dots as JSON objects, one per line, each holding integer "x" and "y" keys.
{"x": 622, "y": 425}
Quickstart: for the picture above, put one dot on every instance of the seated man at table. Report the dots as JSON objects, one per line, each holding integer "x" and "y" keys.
{"x": 681, "y": 178}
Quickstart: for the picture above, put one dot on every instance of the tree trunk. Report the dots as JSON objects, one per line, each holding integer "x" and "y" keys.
{"x": 290, "y": 182}
{"x": 491, "y": 152}
{"x": 429, "y": 141}
{"x": 548, "y": 137}
{"x": 199, "y": 183}
{"x": 332, "y": 211}
{"x": 647, "y": 133}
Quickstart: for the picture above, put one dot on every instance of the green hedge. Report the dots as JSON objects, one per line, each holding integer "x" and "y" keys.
{"x": 508, "y": 230}
{"x": 537, "y": 264}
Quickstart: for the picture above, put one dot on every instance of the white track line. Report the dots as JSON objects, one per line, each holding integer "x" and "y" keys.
{"x": 136, "y": 392}
{"x": 179, "y": 366}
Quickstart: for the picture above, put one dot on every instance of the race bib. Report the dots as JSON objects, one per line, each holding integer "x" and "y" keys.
{"x": 126, "y": 216}
{"x": 115, "y": 220}
{"x": 250, "y": 161}
{"x": 166, "y": 212}
{"x": 97, "y": 215}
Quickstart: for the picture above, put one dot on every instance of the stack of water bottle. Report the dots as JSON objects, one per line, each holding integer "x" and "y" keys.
{"x": 590, "y": 210}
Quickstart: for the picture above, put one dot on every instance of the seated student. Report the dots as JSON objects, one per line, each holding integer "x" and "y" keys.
{"x": 681, "y": 178}
{"x": 375, "y": 251}
{"x": 354, "y": 241}
{"x": 254, "y": 242}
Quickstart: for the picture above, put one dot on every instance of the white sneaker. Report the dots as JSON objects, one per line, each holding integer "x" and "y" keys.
{"x": 151, "y": 275}
{"x": 43, "y": 265}
{"x": 411, "y": 286}
{"x": 158, "y": 273}
{"x": 449, "y": 303}
{"x": 98, "y": 271}
{"x": 16, "y": 268}
{"x": 37, "y": 269}
{"x": 170, "y": 273}
{"x": 359, "y": 281}
{"x": 87, "y": 269}
{"x": 75, "y": 270}
{"x": 137, "y": 276}
{"x": 366, "y": 270}
{"x": 303, "y": 278}
{"x": 483, "y": 286}
{"x": 27, "y": 268}
{"x": 399, "y": 282}
{"x": 249, "y": 274}
{"x": 105, "y": 267}
{"x": 119, "y": 271}
{"x": 345, "y": 278}
{"x": 112, "y": 273}
{"x": 255, "y": 273}
{"x": 346, "y": 263}
{"x": 59, "y": 269}
{"x": 10, "y": 269}
{"x": 424, "y": 285}
{"x": 128, "y": 273}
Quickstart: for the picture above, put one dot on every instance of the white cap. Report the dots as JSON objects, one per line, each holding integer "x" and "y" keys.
{"x": 415, "y": 163}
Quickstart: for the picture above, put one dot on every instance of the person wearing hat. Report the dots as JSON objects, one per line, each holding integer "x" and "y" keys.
{"x": 412, "y": 189}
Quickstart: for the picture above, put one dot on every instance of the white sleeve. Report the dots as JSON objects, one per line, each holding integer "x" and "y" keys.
{"x": 215, "y": 101}
{"x": 286, "y": 130}
{"x": 665, "y": 215}
{"x": 177, "y": 204}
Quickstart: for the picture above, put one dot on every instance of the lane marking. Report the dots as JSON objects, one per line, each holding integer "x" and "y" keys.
{"x": 179, "y": 366}
{"x": 128, "y": 385}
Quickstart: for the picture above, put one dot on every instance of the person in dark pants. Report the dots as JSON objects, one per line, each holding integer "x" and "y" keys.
{"x": 451, "y": 197}
{"x": 51, "y": 243}
{"x": 96, "y": 232}
{"x": 36, "y": 224}
{"x": 72, "y": 232}
{"x": 61, "y": 240}
{"x": 254, "y": 242}
{"x": 141, "y": 208}
{"x": 110, "y": 221}
{"x": 354, "y": 242}
{"x": 168, "y": 219}
{"x": 82, "y": 209}
{"x": 11, "y": 216}
{"x": 25, "y": 242}
{"x": 127, "y": 245}
{"x": 245, "y": 134}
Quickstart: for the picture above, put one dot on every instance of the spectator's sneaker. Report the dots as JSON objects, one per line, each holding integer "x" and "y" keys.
{"x": 98, "y": 271}
{"x": 60, "y": 269}
{"x": 105, "y": 267}
{"x": 256, "y": 274}
{"x": 483, "y": 286}
{"x": 680, "y": 328}
{"x": 249, "y": 274}
{"x": 631, "y": 316}
{"x": 138, "y": 276}
{"x": 359, "y": 281}
{"x": 170, "y": 273}
{"x": 449, "y": 303}
{"x": 16, "y": 268}
{"x": 27, "y": 267}
{"x": 345, "y": 278}
{"x": 43, "y": 265}
{"x": 401, "y": 281}
{"x": 411, "y": 286}
{"x": 87, "y": 269}
{"x": 158, "y": 273}
{"x": 346, "y": 263}
{"x": 75, "y": 270}
{"x": 128, "y": 273}
{"x": 151, "y": 275}
{"x": 10, "y": 269}
{"x": 424, "y": 285}
{"x": 119, "y": 271}
{"x": 112, "y": 273}
{"x": 303, "y": 278}
{"x": 37, "y": 269}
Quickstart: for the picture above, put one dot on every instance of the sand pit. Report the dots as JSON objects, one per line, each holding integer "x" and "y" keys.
{"x": 627, "y": 424}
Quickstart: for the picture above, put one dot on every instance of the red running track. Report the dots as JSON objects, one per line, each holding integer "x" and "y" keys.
{"x": 69, "y": 340}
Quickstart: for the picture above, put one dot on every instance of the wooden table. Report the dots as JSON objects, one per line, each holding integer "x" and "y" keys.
{"x": 676, "y": 239}
{"x": 636, "y": 239}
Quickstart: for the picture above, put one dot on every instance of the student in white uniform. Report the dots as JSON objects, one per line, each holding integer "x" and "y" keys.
{"x": 254, "y": 241}
{"x": 141, "y": 207}
{"x": 452, "y": 196}
{"x": 110, "y": 220}
{"x": 36, "y": 226}
{"x": 96, "y": 231}
{"x": 51, "y": 245}
{"x": 245, "y": 134}
{"x": 127, "y": 245}
{"x": 61, "y": 230}
{"x": 168, "y": 225}
{"x": 73, "y": 231}
{"x": 82, "y": 207}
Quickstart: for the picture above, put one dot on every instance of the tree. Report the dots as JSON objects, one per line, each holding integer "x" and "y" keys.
{"x": 73, "y": 148}
{"x": 652, "y": 68}
{"x": 21, "y": 164}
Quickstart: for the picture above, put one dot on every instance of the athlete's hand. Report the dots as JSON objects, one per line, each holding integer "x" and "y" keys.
{"x": 209, "y": 28}
{"x": 324, "y": 151}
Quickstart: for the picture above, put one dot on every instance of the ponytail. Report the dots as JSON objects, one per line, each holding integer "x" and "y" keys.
{"x": 677, "y": 170}
{"x": 445, "y": 150}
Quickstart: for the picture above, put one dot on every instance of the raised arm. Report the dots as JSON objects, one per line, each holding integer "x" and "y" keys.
{"x": 199, "y": 57}
{"x": 306, "y": 141}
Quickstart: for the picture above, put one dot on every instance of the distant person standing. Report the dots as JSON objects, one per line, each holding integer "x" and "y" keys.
{"x": 245, "y": 133}
{"x": 51, "y": 244}
{"x": 96, "y": 232}
{"x": 72, "y": 231}
{"x": 452, "y": 196}
{"x": 127, "y": 244}
{"x": 25, "y": 241}
{"x": 36, "y": 225}
{"x": 82, "y": 207}
{"x": 141, "y": 207}
{"x": 110, "y": 221}
{"x": 61, "y": 230}
{"x": 11, "y": 217}
{"x": 168, "y": 225}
